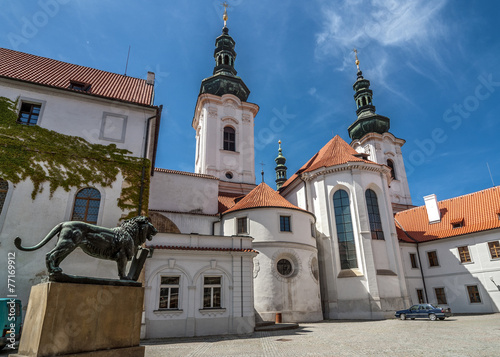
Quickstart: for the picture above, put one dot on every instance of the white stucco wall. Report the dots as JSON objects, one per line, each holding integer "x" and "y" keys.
{"x": 212, "y": 114}
{"x": 377, "y": 286}
{"x": 236, "y": 315}
{"x": 82, "y": 115}
{"x": 454, "y": 276}
{"x": 32, "y": 220}
{"x": 295, "y": 296}
{"x": 383, "y": 147}
{"x": 78, "y": 115}
{"x": 179, "y": 192}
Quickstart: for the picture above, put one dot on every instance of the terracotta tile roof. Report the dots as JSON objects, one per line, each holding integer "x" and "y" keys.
{"x": 157, "y": 169}
{"x": 180, "y": 212}
{"x": 171, "y": 247}
{"x": 228, "y": 200}
{"x": 335, "y": 152}
{"x": 53, "y": 73}
{"x": 478, "y": 211}
{"x": 262, "y": 196}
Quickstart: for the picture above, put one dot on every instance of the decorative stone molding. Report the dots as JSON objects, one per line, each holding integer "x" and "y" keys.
{"x": 290, "y": 255}
{"x": 212, "y": 312}
{"x": 256, "y": 267}
{"x": 168, "y": 314}
{"x": 246, "y": 118}
{"x": 212, "y": 112}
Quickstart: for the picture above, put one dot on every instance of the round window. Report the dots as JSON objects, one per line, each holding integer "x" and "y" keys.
{"x": 284, "y": 267}
{"x": 229, "y": 175}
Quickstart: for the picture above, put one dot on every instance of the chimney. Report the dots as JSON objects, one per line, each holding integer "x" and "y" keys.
{"x": 151, "y": 78}
{"x": 432, "y": 208}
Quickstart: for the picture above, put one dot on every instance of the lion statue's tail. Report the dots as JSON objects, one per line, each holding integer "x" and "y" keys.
{"x": 49, "y": 236}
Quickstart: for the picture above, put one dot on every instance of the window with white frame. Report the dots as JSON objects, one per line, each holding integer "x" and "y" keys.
{"x": 464, "y": 254}
{"x": 169, "y": 292}
{"x": 433, "y": 259}
{"x": 440, "y": 296}
{"x": 494, "y": 249}
{"x": 473, "y": 293}
{"x": 242, "y": 226}
{"x": 29, "y": 113}
{"x": 212, "y": 290}
{"x": 413, "y": 261}
{"x": 86, "y": 206}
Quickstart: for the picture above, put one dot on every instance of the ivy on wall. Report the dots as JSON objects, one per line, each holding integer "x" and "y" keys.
{"x": 63, "y": 161}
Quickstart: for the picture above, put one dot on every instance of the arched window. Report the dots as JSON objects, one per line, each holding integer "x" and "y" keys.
{"x": 4, "y": 188}
{"x": 226, "y": 59}
{"x": 390, "y": 163}
{"x": 229, "y": 139}
{"x": 374, "y": 215}
{"x": 345, "y": 234}
{"x": 86, "y": 206}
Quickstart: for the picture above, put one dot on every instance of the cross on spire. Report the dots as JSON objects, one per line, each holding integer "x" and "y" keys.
{"x": 262, "y": 172}
{"x": 224, "y": 17}
{"x": 356, "y": 55}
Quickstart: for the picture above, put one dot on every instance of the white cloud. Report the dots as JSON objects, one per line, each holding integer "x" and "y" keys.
{"x": 413, "y": 26}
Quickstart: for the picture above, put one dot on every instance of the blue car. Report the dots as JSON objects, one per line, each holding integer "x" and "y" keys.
{"x": 426, "y": 311}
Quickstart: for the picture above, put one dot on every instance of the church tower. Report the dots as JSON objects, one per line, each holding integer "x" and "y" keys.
{"x": 280, "y": 168}
{"x": 370, "y": 135}
{"x": 224, "y": 120}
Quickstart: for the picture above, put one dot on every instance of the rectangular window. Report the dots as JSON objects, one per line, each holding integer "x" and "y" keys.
{"x": 464, "y": 254}
{"x": 420, "y": 296}
{"x": 285, "y": 224}
{"x": 169, "y": 292}
{"x": 494, "y": 249}
{"x": 413, "y": 260}
{"x": 440, "y": 296}
{"x": 212, "y": 292}
{"x": 473, "y": 292}
{"x": 313, "y": 230}
{"x": 29, "y": 113}
{"x": 433, "y": 259}
{"x": 242, "y": 225}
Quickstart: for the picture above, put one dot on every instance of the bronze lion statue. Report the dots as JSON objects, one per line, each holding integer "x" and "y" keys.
{"x": 119, "y": 244}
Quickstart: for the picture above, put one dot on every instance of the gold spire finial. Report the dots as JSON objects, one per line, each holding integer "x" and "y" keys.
{"x": 224, "y": 17}
{"x": 356, "y": 55}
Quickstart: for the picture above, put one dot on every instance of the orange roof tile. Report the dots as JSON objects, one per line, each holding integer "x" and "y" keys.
{"x": 335, "y": 152}
{"x": 228, "y": 200}
{"x": 167, "y": 171}
{"x": 173, "y": 247}
{"x": 53, "y": 73}
{"x": 478, "y": 210}
{"x": 262, "y": 196}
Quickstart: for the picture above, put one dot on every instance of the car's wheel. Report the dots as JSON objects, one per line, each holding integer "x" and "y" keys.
{"x": 441, "y": 318}
{"x": 402, "y": 317}
{"x": 432, "y": 317}
{"x": 413, "y": 318}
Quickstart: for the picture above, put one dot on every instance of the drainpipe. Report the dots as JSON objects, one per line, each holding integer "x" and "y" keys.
{"x": 143, "y": 173}
{"x": 214, "y": 222}
{"x": 418, "y": 256}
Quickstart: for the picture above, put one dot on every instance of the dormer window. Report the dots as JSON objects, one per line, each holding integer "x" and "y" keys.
{"x": 84, "y": 87}
{"x": 457, "y": 223}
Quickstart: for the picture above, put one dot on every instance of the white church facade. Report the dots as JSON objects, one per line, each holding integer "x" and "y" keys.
{"x": 338, "y": 239}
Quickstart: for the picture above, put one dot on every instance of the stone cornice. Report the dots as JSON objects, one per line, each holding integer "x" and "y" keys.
{"x": 309, "y": 176}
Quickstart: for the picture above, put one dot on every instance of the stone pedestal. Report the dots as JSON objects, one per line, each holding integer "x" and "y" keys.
{"x": 82, "y": 320}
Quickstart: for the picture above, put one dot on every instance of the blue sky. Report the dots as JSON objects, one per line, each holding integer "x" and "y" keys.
{"x": 433, "y": 67}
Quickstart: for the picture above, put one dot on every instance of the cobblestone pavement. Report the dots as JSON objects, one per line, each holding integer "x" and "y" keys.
{"x": 456, "y": 336}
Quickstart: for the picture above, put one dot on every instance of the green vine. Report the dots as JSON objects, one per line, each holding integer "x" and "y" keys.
{"x": 42, "y": 155}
